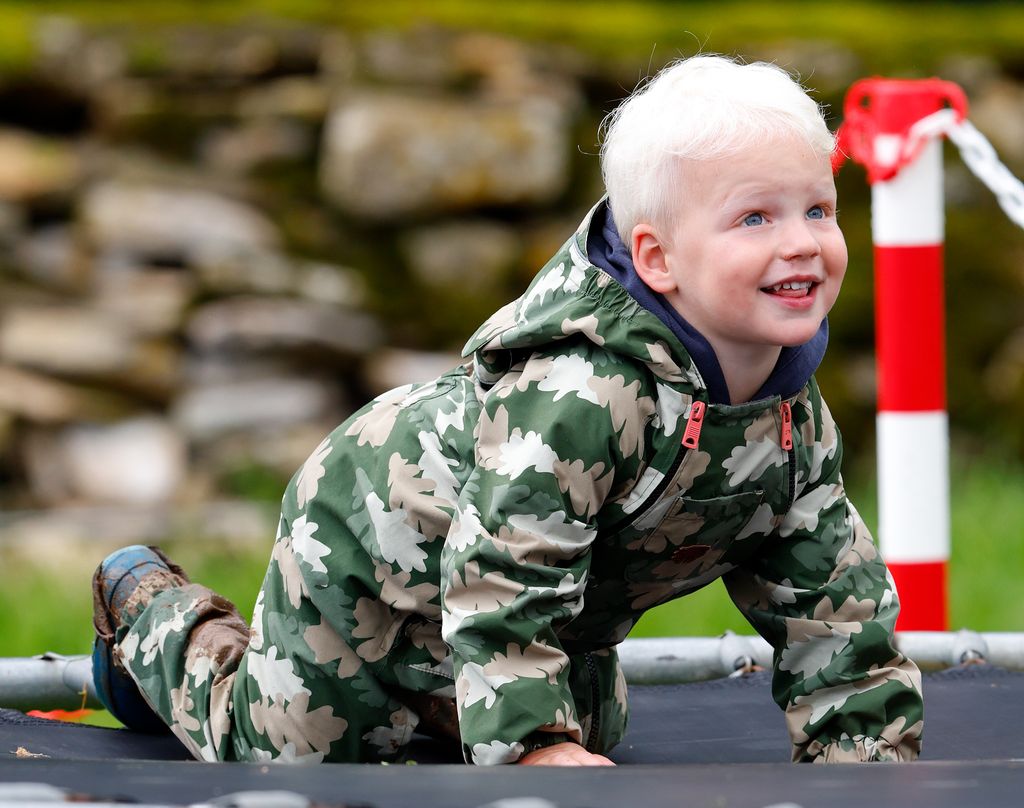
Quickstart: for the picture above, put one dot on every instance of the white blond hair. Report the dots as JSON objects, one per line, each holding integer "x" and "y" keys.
{"x": 701, "y": 108}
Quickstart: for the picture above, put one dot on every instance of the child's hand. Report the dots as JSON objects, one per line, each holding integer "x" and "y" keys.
{"x": 563, "y": 754}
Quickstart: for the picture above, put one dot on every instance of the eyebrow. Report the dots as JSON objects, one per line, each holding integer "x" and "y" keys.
{"x": 750, "y": 193}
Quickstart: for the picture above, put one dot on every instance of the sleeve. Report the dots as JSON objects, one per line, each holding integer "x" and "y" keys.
{"x": 822, "y": 596}
{"x": 552, "y": 440}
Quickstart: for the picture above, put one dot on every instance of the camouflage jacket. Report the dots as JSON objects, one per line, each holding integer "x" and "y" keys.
{"x": 530, "y": 505}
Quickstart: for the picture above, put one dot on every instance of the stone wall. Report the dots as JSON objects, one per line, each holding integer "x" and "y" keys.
{"x": 214, "y": 244}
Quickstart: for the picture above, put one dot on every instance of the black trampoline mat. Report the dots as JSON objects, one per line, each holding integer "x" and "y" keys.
{"x": 721, "y": 743}
{"x": 715, "y": 785}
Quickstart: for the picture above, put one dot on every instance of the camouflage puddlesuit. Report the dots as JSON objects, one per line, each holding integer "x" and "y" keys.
{"x": 491, "y": 536}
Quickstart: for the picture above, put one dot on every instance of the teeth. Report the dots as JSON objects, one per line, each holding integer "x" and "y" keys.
{"x": 797, "y": 285}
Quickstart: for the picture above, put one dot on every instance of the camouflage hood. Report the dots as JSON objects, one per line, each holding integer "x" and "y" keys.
{"x": 794, "y": 368}
{"x": 572, "y": 299}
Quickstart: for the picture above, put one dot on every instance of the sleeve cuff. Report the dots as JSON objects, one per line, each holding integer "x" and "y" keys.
{"x": 540, "y": 740}
{"x": 862, "y": 749}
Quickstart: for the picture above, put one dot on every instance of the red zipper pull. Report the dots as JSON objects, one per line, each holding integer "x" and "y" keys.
{"x": 693, "y": 424}
{"x": 787, "y": 425}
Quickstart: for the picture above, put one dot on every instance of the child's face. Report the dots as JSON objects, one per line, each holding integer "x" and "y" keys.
{"x": 748, "y": 225}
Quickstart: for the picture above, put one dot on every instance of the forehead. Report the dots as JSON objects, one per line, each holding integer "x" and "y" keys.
{"x": 781, "y": 165}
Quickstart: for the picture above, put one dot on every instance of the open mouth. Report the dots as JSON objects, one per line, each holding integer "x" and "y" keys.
{"x": 791, "y": 289}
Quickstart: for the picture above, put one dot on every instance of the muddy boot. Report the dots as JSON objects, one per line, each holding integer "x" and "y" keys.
{"x": 124, "y": 584}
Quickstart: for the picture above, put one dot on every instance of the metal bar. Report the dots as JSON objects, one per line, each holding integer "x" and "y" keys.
{"x": 47, "y": 682}
{"x": 685, "y": 659}
{"x": 52, "y": 681}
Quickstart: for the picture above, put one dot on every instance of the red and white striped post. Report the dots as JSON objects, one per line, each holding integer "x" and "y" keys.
{"x": 907, "y": 225}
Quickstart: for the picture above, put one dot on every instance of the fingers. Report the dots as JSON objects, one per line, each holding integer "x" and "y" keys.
{"x": 563, "y": 754}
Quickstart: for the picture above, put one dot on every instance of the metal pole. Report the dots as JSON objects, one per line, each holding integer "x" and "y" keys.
{"x": 52, "y": 681}
{"x": 671, "y": 660}
{"x": 47, "y": 682}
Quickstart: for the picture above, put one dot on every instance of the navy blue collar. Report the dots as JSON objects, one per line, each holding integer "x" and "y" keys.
{"x": 792, "y": 371}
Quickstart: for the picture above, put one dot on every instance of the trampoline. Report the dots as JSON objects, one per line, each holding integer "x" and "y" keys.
{"x": 720, "y": 743}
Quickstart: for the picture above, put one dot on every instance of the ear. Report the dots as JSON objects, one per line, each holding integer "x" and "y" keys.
{"x": 650, "y": 260}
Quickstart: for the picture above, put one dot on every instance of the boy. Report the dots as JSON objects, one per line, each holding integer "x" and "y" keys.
{"x": 465, "y": 555}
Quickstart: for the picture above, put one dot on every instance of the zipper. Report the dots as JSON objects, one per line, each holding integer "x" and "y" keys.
{"x": 786, "y": 441}
{"x": 691, "y": 437}
{"x": 595, "y": 704}
{"x": 787, "y": 425}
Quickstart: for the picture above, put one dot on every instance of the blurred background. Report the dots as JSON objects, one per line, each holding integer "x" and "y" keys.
{"x": 224, "y": 226}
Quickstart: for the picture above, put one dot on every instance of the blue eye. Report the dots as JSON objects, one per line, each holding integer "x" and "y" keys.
{"x": 817, "y": 212}
{"x": 753, "y": 219}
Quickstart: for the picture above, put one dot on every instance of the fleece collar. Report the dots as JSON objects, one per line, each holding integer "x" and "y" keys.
{"x": 792, "y": 371}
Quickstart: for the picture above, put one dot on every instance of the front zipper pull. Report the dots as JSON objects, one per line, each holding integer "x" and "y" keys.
{"x": 787, "y": 425}
{"x": 693, "y": 424}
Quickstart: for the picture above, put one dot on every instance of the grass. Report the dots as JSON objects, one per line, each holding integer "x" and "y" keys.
{"x": 885, "y": 35}
{"x": 45, "y": 602}
{"x": 986, "y": 585}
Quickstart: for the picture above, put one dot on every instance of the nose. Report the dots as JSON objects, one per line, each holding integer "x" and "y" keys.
{"x": 798, "y": 240}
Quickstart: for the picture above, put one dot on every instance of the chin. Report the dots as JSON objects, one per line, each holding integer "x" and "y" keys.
{"x": 793, "y": 339}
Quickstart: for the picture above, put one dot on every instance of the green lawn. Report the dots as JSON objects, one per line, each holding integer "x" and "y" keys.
{"x": 986, "y": 581}
{"x": 47, "y": 605}
{"x": 49, "y": 608}
{"x": 887, "y": 36}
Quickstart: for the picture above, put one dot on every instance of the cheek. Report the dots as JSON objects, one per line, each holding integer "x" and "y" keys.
{"x": 836, "y": 256}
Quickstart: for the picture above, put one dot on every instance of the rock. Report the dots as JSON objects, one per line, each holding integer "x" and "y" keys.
{"x": 208, "y": 369}
{"x": 263, "y": 271}
{"x": 328, "y": 283}
{"x": 139, "y": 461}
{"x": 152, "y": 302}
{"x": 275, "y": 324}
{"x": 12, "y": 223}
{"x": 7, "y": 430}
{"x": 509, "y": 69}
{"x": 493, "y": 66}
{"x": 121, "y": 103}
{"x": 32, "y": 167}
{"x": 173, "y": 223}
{"x": 280, "y": 449}
{"x": 392, "y": 367}
{"x": 71, "y": 54}
{"x": 472, "y": 254}
{"x": 186, "y": 53}
{"x": 388, "y": 156}
{"x": 338, "y": 58}
{"x": 299, "y": 97}
{"x": 82, "y": 535}
{"x": 50, "y": 256}
{"x": 84, "y": 343}
{"x": 422, "y": 56}
{"x": 244, "y": 51}
{"x": 36, "y": 398}
{"x": 65, "y": 340}
{"x": 243, "y": 148}
{"x": 214, "y": 410}
{"x": 275, "y": 273}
